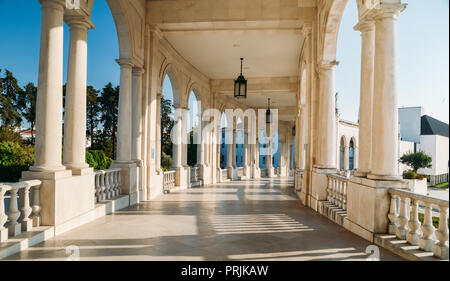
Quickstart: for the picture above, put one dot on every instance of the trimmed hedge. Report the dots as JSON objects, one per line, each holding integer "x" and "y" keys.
{"x": 14, "y": 158}
{"x": 98, "y": 160}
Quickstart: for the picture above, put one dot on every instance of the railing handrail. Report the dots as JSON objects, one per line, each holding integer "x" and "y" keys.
{"x": 419, "y": 197}
{"x": 337, "y": 176}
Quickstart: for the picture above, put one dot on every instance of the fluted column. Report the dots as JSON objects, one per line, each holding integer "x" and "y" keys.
{"x": 327, "y": 119}
{"x": 385, "y": 108}
{"x": 75, "y": 106}
{"x": 49, "y": 96}
{"x": 137, "y": 115}
{"x": 158, "y": 132}
{"x": 367, "y": 29}
{"x": 124, "y": 128}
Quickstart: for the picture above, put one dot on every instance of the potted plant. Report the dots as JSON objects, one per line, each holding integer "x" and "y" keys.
{"x": 416, "y": 160}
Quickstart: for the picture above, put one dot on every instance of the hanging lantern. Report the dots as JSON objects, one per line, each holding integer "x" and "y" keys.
{"x": 293, "y": 131}
{"x": 268, "y": 114}
{"x": 240, "y": 85}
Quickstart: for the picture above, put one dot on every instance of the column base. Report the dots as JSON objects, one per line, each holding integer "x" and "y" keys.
{"x": 14, "y": 230}
{"x": 235, "y": 174}
{"x": 63, "y": 196}
{"x": 182, "y": 177}
{"x": 368, "y": 204}
{"x": 441, "y": 251}
{"x": 270, "y": 172}
{"x": 3, "y": 235}
{"x": 128, "y": 180}
{"x": 384, "y": 177}
{"x": 319, "y": 185}
{"x": 361, "y": 174}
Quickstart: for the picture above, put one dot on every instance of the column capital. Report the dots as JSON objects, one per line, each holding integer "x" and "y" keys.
{"x": 138, "y": 71}
{"x": 328, "y": 65}
{"x": 389, "y": 10}
{"x": 159, "y": 95}
{"x": 57, "y": 4}
{"x": 365, "y": 25}
{"x": 79, "y": 21}
{"x": 125, "y": 63}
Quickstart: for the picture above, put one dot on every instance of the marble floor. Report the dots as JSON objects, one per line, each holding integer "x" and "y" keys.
{"x": 244, "y": 220}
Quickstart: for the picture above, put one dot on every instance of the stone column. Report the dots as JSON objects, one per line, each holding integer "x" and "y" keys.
{"x": 385, "y": 108}
{"x": 229, "y": 146}
{"x": 367, "y": 29}
{"x": 269, "y": 159}
{"x": 137, "y": 115}
{"x": 124, "y": 128}
{"x": 245, "y": 154}
{"x": 300, "y": 141}
{"x": 75, "y": 107}
{"x": 327, "y": 118}
{"x": 136, "y": 126}
{"x": 158, "y": 133}
{"x": 49, "y": 96}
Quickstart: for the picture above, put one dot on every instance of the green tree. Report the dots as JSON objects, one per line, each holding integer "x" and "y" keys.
{"x": 109, "y": 113}
{"x": 416, "y": 160}
{"x": 27, "y": 105}
{"x": 166, "y": 126}
{"x": 92, "y": 112}
{"x": 10, "y": 91}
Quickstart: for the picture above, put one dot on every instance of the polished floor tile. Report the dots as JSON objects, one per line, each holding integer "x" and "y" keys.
{"x": 245, "y": 220}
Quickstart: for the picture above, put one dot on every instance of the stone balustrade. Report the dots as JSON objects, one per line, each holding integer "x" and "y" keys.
{"x": 169, "y": 181}
{"x": 19, "y": 201}
{"x": 240, "y": 172}
{"x": 224, "y": 175}
{"x": 404, "y": 221}
{"x": 298, "y": 180}
{"x": 194, "y": 172}
{"x": 107, "y": 184}
{"x": 337, "y": 190}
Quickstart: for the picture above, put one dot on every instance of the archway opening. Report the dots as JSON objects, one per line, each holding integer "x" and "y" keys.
{"x": 166, "y": 124}
{"x": 194, "y": 129}
{"x": 351, "y": 155}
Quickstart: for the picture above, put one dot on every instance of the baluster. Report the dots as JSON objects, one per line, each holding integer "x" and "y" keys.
{"x": 344, "y": 205}
{"x": 341, "y": 193}
{"x": 114, "y": 183}
{"x": 36, "y": 206}
{"x": 329, "y": 189}
{"x": 414, "y": 224}
{"x": 426, "y": 242}
{"x": 402, "y": 219}
{"x": 27, "y": 223}
{"x": 441, "y": 247}
{"x": 335, "y": 185}
{"x": 97, "y": 187}
{"x": 102, "y": 186}
{"x": 13, "y": 214}
{"x": 115, "y": 186}
{"x": 3, "y": 216}
{"x": 107, "y": 185}
{"x": 393, "y": 216}
{"x": 119, "y": 182}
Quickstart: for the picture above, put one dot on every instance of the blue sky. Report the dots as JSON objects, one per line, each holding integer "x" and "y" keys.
{"x": 423, "y": 52}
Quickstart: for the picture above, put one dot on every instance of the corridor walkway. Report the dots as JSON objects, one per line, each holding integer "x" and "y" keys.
{"x": 246, "y": 220}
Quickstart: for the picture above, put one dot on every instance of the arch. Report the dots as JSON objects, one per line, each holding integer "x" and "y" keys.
{"x": 330, "y": 22}
{"x": 175, "y": 86}
{"x": 122, "y": 26}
